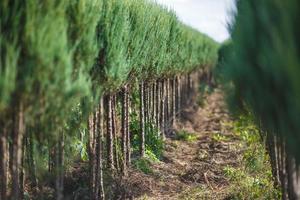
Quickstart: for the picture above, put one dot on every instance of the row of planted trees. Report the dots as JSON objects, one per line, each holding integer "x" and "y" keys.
{"x": 262, "y": 67}
{"x": 68, "y": 73}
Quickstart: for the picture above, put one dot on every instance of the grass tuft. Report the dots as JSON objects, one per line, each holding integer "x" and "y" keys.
{"x": 185, "y": 136}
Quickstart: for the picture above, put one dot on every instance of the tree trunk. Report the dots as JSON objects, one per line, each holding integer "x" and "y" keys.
{"x": 109, "y": 137}
{"x": 22, "y": 168}
{"x": 31, "y": 160}
{"x": 91, "y": 153}
{"x": 157, "y": 104}
{"x": 178, "y": 86}
{"x": 98, "y": 190}
{"x": 124, "y": 129}
{"x": 167, "y": 113}
{"x": 146, "y": 104}
{"x": 128, "y": 154}
{"x": 173, "y": 102}
{"x": 153, "y": 103}
{"x": 293, "y": 178}
{"x": 283, "y": 174}
{"x": 189, "y": 87}
{"x": 114, "y": 132}
{"x": 3, "y": 161}
{"x": 60, "y": 167}
{"x": 142, "y": 120}
{"x": 16, "y": 156}
{"x": 162, "y": 109}
{"x": 100, "y": 151}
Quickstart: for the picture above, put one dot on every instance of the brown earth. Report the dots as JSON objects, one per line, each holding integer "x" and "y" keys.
{"x": 187, "y": 165}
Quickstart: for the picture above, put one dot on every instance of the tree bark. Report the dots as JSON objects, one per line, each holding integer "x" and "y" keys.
{"x": 167, "y": 120}
{"x": 157, "y": 104}
{"x": 60, "y": 167}
{"x": 178, "y": 86}
{"x": 162, "y": 109}
{"x": 98, "y": 190}
{"x": 3, "y": 161}
{"x": 142, "y": 120}
{"x": 22, "y": 167}
{"x": 16, "y": 156}
{"x": 31, "y": 160}
{"x": 114, "y": 132}
{"x": 109, "y": 137}
{"x": 124, "y": 129}
{"x": 189, "y": 86}
{"x": 146, "y": 104}
{"x": 293, "y": 178}
{"x": 283, "y": 175}
{"x": 91, "y": 153}
{"x": 100, "y": 151}
{"x": 128, "y": 153}
{"x": 153, "y": 106}
{"x": 173, "y": 102}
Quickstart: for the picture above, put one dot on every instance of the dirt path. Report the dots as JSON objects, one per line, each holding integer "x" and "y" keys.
{"x": 194, "y": 164}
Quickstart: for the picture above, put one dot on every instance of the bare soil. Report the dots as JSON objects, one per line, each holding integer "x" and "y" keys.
{"x": 191, "y": 164}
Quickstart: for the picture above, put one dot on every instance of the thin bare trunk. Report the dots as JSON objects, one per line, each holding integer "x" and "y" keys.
{"x": 60, "y": 167}
{"x": 22, "y": 168}
{"x": 157, "y": 103}
{"x": 91, "y": 153}
{"x": 3, "y": 161}
{"x": 16, "y": 156}
{"x": 95, "y": 164}
{"x": 31, "y": 161}
{"x": 283, "y": 174}
{"x": 149, "y": 102}
{"x": 178, "y": 96}
{"x": 162, "y": 117}
{"x": 114, "y": 131}
{"x": 173, "y": 101}
{"x": 128, "y": 156}
{"x": 189, "y": 88}
{"x": 167, "y": 115}
{"x": 98, "y": 191}
{"x": 146, "y": 103}
{"x": 124, "y": 129}
{"x": 109, "y": 137}
{"x": 272, "y": 149}
{"x": 293, "y": 178}
{"x": 142, "y": 120}
{"x": 99, "y": 150}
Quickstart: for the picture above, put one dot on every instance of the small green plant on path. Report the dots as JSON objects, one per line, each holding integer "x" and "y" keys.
{"x": 185, "y": 136}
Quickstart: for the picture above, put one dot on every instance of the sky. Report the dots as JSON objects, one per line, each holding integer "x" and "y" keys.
{"x": 208, "y": 16}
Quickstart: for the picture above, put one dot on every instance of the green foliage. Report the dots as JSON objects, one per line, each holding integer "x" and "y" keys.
{"x": 144, "y": 165}
{"x": 218, "y": 137}
{"x": 153, "y": 141}
{"x": 253, "y": 180}
{"x": 204, "y": 90}
{"x": 264, "y": 65}
{"x": 154, "y": 144}
{"x": 185, "y": 136}
{"x": 59, "y": 57}
{"x": 250, "y": 186}
{"x": 143, "y": 40}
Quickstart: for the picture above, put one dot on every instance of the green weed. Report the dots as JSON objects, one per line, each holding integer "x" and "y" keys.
{"x": 253, "y": 180}
{"x": 219, "y": 137}
{"x": 154, "y": 143}
{"x": 144, "y": 165}
{"x": 185, "y": 136}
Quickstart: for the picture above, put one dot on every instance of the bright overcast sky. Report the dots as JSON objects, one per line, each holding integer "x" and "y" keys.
{"x": 208, "y": 16}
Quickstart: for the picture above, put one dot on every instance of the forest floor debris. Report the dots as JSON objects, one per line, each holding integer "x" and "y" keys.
{"x": 209, "y": 165}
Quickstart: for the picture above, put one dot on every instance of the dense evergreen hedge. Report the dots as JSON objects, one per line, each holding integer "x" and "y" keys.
{"x": 59, "y": 59}
{"x": 265, "y": 65}
{"x": 63, "y": 51}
